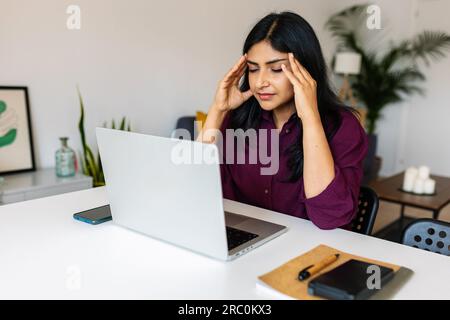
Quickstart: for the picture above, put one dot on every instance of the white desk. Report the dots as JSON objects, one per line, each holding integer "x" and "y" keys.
{"x": 45, "y": 253}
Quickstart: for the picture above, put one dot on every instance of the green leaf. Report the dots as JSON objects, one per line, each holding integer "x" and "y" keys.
{"x": 343, "y": 24}
{"x": 122, "y": 124}
{"x": 430, "y": 45}
{"x": 101, "y": 177}
{"x": 81, "y": 125}
{"x": 394, "y": 55}
{"x": 91, "y": 164}
{"x": 83, "y": 164}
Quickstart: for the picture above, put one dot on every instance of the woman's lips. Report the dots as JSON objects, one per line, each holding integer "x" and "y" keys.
{"x": 265, "y": 96}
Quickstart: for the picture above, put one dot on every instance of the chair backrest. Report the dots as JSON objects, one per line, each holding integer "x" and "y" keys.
{"x": 187, "y": 123}
{"x": 428, "y": 234}
{"x": 367, "y": 211}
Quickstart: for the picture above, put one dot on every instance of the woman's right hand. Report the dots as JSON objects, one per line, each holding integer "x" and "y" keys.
{"x": 228, "y": 95}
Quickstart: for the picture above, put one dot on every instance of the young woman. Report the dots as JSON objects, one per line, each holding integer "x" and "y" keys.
{"x": 321, "y": 142}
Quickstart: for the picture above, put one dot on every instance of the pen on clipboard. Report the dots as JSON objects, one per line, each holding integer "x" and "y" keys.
{"x": 316, "y": 268}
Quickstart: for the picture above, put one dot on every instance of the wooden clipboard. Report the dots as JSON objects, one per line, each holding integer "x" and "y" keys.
{"x": 284, "y": 278}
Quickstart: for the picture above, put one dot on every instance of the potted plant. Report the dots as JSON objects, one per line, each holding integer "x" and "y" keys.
{"x": 91, "y": 165}
{"x": 385, "y": 78}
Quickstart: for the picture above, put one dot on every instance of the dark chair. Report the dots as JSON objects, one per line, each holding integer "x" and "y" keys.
{"x": 428, "y": 234}
{"x": 367, "y": 211}
{"x": 187, "y": 123}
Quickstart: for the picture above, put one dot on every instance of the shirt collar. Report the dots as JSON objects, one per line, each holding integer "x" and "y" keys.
{"x": 267, "y": 115}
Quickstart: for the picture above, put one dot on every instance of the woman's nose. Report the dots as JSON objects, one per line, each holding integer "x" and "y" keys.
{"x": 262, "y": 81}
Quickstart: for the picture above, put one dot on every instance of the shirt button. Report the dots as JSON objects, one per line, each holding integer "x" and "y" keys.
{"x": 287, "y": 130}
{"x": 266, "y": 191}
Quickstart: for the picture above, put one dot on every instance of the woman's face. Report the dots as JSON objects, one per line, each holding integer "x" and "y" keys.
{"x": 268, "y": 82}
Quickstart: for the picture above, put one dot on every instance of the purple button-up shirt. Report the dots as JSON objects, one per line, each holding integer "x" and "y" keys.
{"x": 335, "y": 207}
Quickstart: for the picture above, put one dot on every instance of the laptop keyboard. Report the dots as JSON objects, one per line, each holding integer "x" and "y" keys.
{"x": 237, "y": 237}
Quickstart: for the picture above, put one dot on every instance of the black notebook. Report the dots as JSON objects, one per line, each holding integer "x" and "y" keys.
{"x": 353, "y": 280}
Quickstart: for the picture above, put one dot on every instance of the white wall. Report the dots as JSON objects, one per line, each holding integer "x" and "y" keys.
{"x": 426, "y": 138}
{"x": 417, "y": 131}
{"x": 396, "y": 22}
{"x": 154, "y": 61}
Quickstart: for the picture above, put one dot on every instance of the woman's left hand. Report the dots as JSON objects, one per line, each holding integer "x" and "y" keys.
{"x": 305, "y": 90}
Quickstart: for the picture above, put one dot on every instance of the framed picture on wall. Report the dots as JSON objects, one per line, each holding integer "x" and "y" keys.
{"x": 16, "y": 143}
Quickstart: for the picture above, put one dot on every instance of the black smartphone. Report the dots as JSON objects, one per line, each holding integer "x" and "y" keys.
{"x": 94, "y": 216}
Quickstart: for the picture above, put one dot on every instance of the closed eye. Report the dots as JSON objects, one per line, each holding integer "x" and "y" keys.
{"x": 273, "y": 70}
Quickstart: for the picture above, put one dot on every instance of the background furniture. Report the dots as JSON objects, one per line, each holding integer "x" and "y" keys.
{"x": 38, "y": 184}
{"x": 388, "y": 190}
{"x": 428, "y": 234}
{"x": 367, "y": 211}
{"x": 187, "y": 123}
{"x": 51, "y": 255}
{"x": 347, "y": 64}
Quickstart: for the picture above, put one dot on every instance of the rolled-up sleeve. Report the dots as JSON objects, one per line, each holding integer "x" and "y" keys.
{"x": 337, "y": 205}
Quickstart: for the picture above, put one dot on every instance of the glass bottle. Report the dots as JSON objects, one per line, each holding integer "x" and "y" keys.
{"x": 65, "y": 159}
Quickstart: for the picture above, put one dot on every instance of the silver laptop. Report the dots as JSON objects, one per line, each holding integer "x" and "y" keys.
{"x": 171, "y": 190}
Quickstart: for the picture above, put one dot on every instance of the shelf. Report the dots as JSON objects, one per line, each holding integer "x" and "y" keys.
{"x": 38, "y": 184}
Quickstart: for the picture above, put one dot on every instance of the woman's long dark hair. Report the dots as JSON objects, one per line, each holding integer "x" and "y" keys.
{"x": 289, "y": 32}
